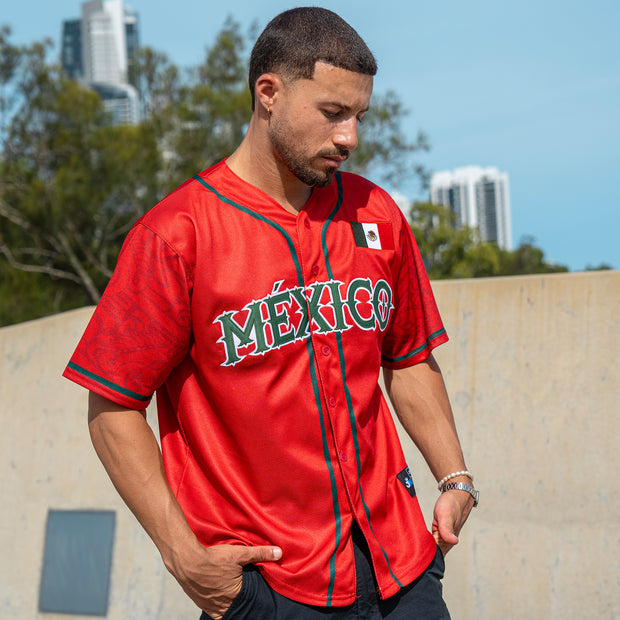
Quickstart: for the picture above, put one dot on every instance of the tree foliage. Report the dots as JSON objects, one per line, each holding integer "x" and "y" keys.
{"x": 71, "y": 184}
{"x": 214, "y": 109}
{"x": 383, "y": 149}
{"x": 450, "y": 251}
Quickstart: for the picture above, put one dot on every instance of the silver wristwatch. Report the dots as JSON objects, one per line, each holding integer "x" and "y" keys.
{"x": 462, "y": 486}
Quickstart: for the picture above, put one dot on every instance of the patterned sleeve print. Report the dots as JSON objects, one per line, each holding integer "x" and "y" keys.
{"x": 416, "y": 328}
{"x": 141, "y": 327}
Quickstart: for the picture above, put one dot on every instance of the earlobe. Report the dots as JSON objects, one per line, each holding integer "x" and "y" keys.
{"x": 268, "y": 86}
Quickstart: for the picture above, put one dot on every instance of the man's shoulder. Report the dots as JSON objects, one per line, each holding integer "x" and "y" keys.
{"x": 185, "y": 199}
{"x": 353, "y": 180}
{"x": 360, "y": 190}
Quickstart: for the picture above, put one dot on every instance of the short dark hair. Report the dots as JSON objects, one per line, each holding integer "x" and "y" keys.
{"x": 294, "y": 41}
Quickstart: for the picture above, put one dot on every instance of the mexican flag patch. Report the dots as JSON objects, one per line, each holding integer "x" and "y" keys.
{"x": 377, "y": 236}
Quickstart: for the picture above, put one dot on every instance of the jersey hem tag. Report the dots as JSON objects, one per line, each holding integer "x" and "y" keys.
{"x": 406, "y": 479}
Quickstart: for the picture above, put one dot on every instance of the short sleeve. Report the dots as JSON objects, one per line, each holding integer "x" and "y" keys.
{"x": 141, "y": 328}
{"x": 416, "y": 327}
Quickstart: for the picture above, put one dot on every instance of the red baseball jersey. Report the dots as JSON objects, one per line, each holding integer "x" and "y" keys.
{"x": 263, "y": 333}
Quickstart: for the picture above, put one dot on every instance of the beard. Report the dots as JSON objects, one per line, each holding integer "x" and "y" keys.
{"x": 295, "y": 159}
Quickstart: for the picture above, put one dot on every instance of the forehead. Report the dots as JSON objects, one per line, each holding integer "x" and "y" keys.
{"x": 333, "y": 84}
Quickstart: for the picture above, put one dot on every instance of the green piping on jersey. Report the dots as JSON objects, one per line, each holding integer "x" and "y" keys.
{"x": 315, "y": 383}
{"x": 262, "y": 218}
{"x": 108, "y": 384}
{"x": 402, "y": 358}
{"x": 349, "y": 401}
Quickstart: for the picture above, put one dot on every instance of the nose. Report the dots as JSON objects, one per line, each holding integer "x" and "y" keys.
{"x": 346, "y": 134}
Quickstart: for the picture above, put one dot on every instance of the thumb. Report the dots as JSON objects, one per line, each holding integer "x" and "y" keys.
{"x": 447, "y": 534}
{"x": 252, "y": 555}
{"x": 443, "y": 530}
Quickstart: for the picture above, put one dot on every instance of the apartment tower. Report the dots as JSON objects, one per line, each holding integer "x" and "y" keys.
{"x": 97, "y": 50}
{"x": 479, "y": 198}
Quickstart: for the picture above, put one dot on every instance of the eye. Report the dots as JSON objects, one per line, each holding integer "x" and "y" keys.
{"x": 331, "y": 114}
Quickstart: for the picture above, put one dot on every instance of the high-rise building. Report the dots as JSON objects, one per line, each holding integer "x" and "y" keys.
{"x": 71, "y": 49}
{"x": 98, "y": 49}
{"x": 479, "y": 198}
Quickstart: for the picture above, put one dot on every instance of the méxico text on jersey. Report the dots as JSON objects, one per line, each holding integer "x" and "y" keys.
{"x": 287, "y": 315}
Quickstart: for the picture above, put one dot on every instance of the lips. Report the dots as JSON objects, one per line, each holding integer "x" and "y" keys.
{"x": 335, "y": 160}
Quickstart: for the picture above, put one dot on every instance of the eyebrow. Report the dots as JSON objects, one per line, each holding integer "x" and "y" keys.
{"x": 346, "y": 108}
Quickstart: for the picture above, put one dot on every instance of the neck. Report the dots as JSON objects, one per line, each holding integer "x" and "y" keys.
{"x": 255, "y": 162}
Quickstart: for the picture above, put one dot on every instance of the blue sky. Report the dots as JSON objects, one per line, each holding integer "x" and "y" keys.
{"x": 530, "y": 87}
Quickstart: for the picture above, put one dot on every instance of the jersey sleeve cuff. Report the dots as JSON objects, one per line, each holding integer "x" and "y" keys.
{"x": 417, "y": 355}
{"x": 116, "y": 393}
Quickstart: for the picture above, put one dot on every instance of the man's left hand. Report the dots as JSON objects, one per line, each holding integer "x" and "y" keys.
{"x": 451, "y": 512}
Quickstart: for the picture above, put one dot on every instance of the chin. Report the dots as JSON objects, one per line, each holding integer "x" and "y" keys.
{"x": 314, "y": 178}
{"x": 326, "y": 181}
{"x": 323, "y": 181}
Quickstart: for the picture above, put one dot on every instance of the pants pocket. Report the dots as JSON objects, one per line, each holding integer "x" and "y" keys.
{"x": 239, "y": 602}
{"x": 438, "y": 567}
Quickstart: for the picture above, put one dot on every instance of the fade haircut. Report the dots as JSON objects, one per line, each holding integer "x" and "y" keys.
{"x": 294, "y": 41}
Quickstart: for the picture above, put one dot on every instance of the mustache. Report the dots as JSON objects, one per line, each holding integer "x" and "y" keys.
{"x": 344, "y": 153}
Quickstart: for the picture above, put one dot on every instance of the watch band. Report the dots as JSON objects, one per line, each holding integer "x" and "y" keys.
{"x": 462, "y": 486}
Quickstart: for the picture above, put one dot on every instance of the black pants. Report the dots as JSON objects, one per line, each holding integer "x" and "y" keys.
{"x": 420, "y": 600}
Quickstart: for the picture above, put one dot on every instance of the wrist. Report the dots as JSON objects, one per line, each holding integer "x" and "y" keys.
{"x": 184, "y": 551}
{"x": 457, "y": 476}
{"x": 463, "y": 487}
{"x": 463, "y": 479}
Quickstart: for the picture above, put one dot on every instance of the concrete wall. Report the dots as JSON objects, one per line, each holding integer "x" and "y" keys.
{"x": 532, "y": 369}
{"x": 533, "y": 373}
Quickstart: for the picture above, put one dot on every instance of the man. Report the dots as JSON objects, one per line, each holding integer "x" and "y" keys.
{"x": 260, "y": 300}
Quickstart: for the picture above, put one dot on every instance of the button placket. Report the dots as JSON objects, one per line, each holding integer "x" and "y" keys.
{"x": 315, "y": 270}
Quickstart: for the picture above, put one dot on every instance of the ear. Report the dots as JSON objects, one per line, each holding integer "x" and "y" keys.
{"x": 268, "y": 87}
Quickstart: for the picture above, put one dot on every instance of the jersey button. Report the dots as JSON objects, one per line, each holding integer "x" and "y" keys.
{"x": 325, "y": 350}
{"x": 315, "y": 270}
{"x": 344, "y": 457}
{"x": 332, "y": 401}
{"x": 307, "y": 223}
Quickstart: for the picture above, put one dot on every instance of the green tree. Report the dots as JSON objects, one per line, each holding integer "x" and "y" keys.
{"x": 213, "y": 107}
{"x": 71, "y": 184}
{"x": 599, "y": 267}
{"x": 444, "y": 246}
{"x": 158, "y": 81}
{"x": 9, "y": 61}
{"x": 452, "y": 251}
{"x": 527, "y": 259}
{"x": 384, "y": 151}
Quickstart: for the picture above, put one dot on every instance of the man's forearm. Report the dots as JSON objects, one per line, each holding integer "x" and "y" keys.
{"x": 130, "y": 454}
{"x": 210, "y": 576}
{"x": 421, "y": 402}
{"x": 419, "y": 396}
